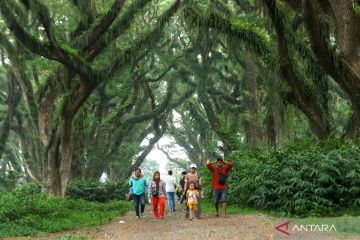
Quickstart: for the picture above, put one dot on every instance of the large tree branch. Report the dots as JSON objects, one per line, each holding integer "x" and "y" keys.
{"x": 229, "y": 139}
{"x": 149, "y": 40}
{"x": 87, "y": 10}
{"x": 161, "y": 76}
{"x": 347, "y": 24}
{"x": 131, "y": 122}
{"x": 150, "y": 146}
{"x": 325, "y": 55}
{"x": 97, "y": 31}
{"x": 42, "y": 13}
{"x": 89, "y": 38}
{"x": 13, "y": 99}
{"x": 211, "y": 90}
{"x": 25, "y": 38}
{"x": 229, "y": 99}
{"x": 81, "y": 93}
{"x": 52, "y": 52}
{"x": 21, "y": 77}
{"x": 166, "y": 106}
{"x": 337, "y": 67}
{"x": 118, "y": 28}
{"x": 156, "y": 111}
{"x": 180, "y": 139}
{"x": 127, "y": 105}
{"x": 251, "y": 37}
{"x": 181, "y": 164}
{"x": 304, "y": 97}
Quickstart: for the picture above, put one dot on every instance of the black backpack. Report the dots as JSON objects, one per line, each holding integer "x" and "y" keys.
{"x": 222, "y": 177}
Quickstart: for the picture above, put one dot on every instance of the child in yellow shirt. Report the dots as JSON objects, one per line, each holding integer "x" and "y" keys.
{"x": 191, "y": 196}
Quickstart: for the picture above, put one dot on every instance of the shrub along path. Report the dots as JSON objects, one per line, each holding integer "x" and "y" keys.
{"x": 175, "y": 226}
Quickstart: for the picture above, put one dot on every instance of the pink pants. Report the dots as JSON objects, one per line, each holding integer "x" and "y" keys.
{"x": 155, "y": 202}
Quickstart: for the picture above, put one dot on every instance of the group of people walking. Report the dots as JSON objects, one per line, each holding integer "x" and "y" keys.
{"x": 189, "y": 190}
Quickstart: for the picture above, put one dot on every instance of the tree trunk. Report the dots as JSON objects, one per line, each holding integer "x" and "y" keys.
{"x": 253, "y": 126}
{"x": 271, "y": 127}
{"x": 66, "y": 154}
{"x": 52, "y": 179}
{"x": 78, "y": 163}
{"x": 30, "y": 163}
{"x": 277, "y": 124}
{"x": 57, "y": 141}
{"x": 114, "y": 173}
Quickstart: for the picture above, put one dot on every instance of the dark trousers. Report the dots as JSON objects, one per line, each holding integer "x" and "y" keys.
{"x": 179, "y": 194}
{"x": 139, "y": 203}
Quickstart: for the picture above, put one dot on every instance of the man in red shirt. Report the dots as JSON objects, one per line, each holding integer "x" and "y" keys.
{"x": 219, "y": 170}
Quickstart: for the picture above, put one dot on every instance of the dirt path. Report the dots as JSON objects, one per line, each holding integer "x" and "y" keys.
{"x": 174, "y": 226}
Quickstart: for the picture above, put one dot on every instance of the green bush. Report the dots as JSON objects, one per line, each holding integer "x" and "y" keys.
{"x": 9, "y": 181}
{"x": 97, "y": 191}
{"x": 33, "y": 188}
{"x": 24, "y": 211}
{"x": 307, "y": 179}
{"x": 87, "y": 190}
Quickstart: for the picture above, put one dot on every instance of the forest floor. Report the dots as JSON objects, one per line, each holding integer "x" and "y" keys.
{"x": 175, "y": 226}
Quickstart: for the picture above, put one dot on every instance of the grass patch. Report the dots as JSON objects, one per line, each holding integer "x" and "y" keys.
{"x": 208, "y": 207}
{"x": 23, "y": 214}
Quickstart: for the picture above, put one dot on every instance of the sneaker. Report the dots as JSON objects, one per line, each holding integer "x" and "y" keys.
{"x": 137, "y": 217}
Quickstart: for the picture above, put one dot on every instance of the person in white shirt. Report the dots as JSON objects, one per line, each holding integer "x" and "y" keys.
{"x": 170, "y": 190}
